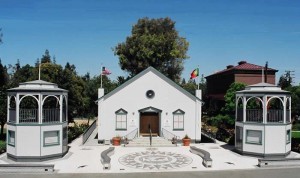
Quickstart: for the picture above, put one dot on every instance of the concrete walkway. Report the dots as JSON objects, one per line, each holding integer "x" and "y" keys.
{"x": 86, "y": 159}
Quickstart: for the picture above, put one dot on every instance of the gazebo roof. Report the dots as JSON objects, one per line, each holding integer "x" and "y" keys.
{"x": 37, "y": 85}
{"x": 263, "y": 88}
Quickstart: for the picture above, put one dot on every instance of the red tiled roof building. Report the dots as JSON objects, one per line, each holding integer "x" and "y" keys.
{"x": 247, "y": 73}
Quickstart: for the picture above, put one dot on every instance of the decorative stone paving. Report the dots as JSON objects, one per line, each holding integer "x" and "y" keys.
{"x": 155, "y": 160}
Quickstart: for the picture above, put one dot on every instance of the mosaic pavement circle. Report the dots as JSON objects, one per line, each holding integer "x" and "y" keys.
{"x": 155, "y": 160}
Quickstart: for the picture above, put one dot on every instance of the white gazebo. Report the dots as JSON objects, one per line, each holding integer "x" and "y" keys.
{"x": 263, "y": 121}
{"x": 37, "y": 121}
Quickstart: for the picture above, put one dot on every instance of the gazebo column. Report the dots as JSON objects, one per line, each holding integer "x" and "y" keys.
{"x": 8, "y": 108}
{"x": 265, "y": 113}
{"x": 40, "y": 108}
{"x": 66, "y": 98}
{"x": 284, "y": 109}
{"x": 17, "y": 108}
{"x": 60, "y": 108}
{"x": 244, "y": 108}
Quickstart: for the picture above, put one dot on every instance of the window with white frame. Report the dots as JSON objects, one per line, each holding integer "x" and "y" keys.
{"x": 11, "y": 138}
{"x": 121, "y": 119}
{"x": 51, "y": 138}
{"x": 178, "y": 120}
{"x": 254, "y": 137}
{"x": 288, "y": 136}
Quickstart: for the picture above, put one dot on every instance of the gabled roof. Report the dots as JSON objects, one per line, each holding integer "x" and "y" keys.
{"x": 243, "y": 66}
{"x": 160, "y": 75}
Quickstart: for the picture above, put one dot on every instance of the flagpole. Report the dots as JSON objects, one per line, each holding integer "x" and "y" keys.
{"x": 101, "y": 75}
{"x": 262, "y": 75}
{"x": 198, "y": 77}
{"x": 39, "y": 70}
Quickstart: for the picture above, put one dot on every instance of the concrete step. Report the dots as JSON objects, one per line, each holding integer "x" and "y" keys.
{"x": 145, "y": 142}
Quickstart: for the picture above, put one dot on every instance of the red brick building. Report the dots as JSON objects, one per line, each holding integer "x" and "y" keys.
{"x": 219, "y": 82}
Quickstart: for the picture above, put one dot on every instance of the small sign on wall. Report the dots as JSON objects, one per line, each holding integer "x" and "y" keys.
{"x": 167, "y": 123}
{"x": 132, "y": 123}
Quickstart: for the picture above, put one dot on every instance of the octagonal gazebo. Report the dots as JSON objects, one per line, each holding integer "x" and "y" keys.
{"x": 263, "y": 121}
{"x": 37, "y": 121}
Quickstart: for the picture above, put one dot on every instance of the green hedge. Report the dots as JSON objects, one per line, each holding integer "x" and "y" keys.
{"x": 2, "y": 146}
{"x": 75, "y": 131}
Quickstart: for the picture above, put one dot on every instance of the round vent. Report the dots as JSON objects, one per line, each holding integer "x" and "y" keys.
{"x": 150, "y": 94}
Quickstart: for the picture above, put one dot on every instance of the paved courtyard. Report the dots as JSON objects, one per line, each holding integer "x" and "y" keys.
{"x": 86, "y": 159}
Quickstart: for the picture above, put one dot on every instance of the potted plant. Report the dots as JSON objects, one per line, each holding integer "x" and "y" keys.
{"x": 116, "y": 141}
{"x": 186, "y": 140}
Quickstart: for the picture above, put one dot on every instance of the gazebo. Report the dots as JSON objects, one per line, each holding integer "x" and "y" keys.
{"x": 263, "y": 121}
{"x": 37, "y": 121}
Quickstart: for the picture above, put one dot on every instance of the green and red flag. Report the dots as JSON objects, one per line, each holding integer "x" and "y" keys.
{"x": 195, "y": 73}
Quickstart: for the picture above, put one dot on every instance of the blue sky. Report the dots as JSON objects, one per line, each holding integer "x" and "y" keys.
{"x": 220, "y": 32}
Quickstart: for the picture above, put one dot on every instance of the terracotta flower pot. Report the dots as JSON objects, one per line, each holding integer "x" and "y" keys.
{"x": 116, "y": 141}
{"x": 186, "y": 141}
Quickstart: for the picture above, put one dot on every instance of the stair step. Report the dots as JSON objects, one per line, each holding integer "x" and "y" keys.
{"x": 145, "y": 142}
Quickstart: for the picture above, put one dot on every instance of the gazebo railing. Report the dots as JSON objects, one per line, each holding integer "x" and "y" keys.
{"x": 239, "y": 116}
{"x": 288, "y": 116}
{"x": 12, "y": 115}
{"x": 254, "y": 115}
{"x": 275, "y": 115}
{"x": 28, "y": 116}
{"x": 51, "y": 115}
{"x": 31, "y": 116}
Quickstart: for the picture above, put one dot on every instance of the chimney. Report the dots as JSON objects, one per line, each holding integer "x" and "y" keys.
{"x": 242, "y": 62}
{"x": 229, "y": 66}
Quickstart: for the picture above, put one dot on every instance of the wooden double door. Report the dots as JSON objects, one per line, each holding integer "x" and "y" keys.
{"x": 149, "y": 120}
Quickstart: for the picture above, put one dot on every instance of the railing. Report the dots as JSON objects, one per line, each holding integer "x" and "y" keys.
{"x": 288, "y": 116}
{"x": 150, "y": 136}
{"x": 169, "y": 136}
{"x": 240, "y": 115}
{"x": 51, "y": 115}
{"x": 89, "y": 131}
{"x": 254, "y": 115}
{"x": 132, "y": 135}
{"x": 12, "y": 115}
{"x": 28, "y": 116}
{"x": 275, "y": 115}
{"x": 209, "y": 135}
{"x": 31, "y": 115}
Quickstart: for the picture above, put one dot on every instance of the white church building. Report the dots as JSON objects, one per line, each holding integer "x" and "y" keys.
{"x": 149, "y": 100}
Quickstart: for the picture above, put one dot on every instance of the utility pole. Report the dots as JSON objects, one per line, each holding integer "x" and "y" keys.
{"x": 290, "y": 75}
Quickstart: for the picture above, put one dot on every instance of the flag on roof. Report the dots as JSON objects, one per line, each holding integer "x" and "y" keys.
{"x": 105, "y": 71}
{"x": 195, "y": 73}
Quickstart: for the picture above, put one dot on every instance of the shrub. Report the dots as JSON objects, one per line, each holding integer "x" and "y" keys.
{"x": 2, "y": 146}
{"x": 296, "y": 126}
{"x": 225, "y": 121}
{"x": 76, "y": 130}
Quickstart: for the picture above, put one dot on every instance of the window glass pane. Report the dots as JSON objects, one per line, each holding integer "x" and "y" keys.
{"x": 288, "y": 136}
{"x": 180, "y": 125}
{"x": 11, "y": 138}
{"x": 121, "y": 120}
{"x": 178, "y": 121}
{"x": 254, "y": 136}
{"x": 51, "y": 138}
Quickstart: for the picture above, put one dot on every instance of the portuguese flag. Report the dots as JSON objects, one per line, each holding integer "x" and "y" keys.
{"x": 195, "y": 73}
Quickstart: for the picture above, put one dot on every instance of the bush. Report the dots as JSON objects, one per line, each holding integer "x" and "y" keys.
{"x": 2, "y": 146}
{"x": 225, "y": 121}
{"x": 296, "y": 126}
{"x": 76, "y": 130}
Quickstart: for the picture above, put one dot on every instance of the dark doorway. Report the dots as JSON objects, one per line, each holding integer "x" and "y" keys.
{"x": 149, "y": 119}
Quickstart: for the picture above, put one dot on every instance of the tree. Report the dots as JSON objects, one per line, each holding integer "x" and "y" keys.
{"x": 285, "y": 80}
{"x": 46, "y": 58}
{"x": 1, "y": 35}
{"x": 3, "y": 98}
{"x": 229, "y": 97}
{"x": 295, "y": 95}
{"x": 156, "y": 43}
